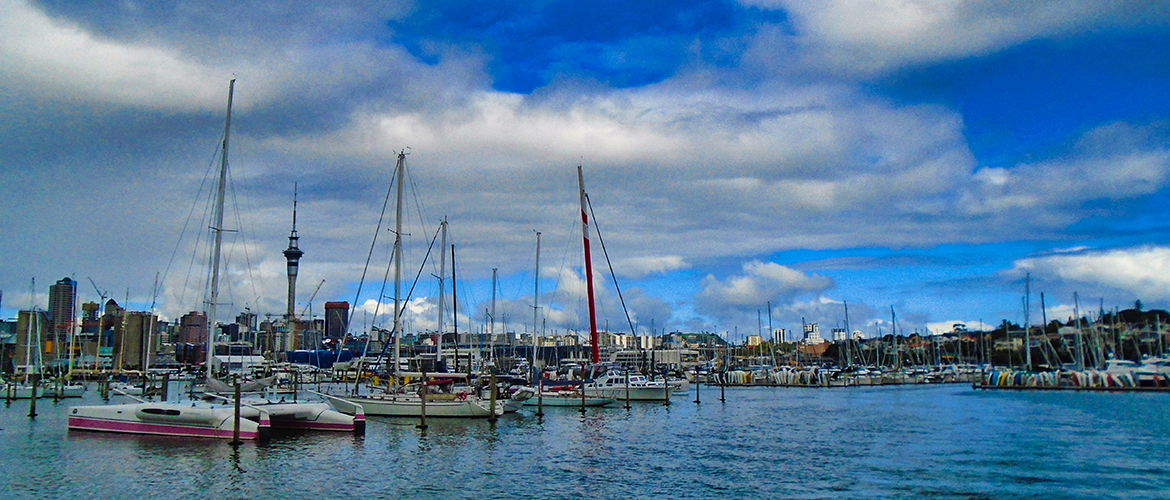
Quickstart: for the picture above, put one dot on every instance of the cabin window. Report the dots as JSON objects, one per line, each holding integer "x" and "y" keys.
{"x": 161, "y": 411}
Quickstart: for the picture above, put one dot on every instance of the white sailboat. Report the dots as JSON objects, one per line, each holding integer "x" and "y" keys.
{"x": 192, "y": 418}
{"x": 414, "y": 400}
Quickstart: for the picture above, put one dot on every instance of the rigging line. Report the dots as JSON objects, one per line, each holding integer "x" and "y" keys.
{"x": 386, "y": 277}
{"x": 242, "y": 235}
{"x": 409, "y": 293}
{"x": 601, "y": 240}
{"x": 190, "y": 214}
{"x": 377, "y": 231}
{"x": 569, "y": 247}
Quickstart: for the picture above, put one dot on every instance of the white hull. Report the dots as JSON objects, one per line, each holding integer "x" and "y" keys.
{"x": 19, "y": 391}
{"x": 409, "y": 405}
{"x": 561, "y": 399}
{"x": 169, "y": 419}
{"x": 635, "y": 393}
{"x": 311, "y": 416}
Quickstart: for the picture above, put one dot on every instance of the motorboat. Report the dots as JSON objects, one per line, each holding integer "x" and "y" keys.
{"x": 621, "y": 386}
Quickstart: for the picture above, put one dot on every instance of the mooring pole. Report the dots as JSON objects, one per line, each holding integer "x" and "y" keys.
{"x": 236, "y": 428}
{"x": 32, "y": 400}
{"x": 666, "y": 388}
{"x": 422, "y": 394}
{"x": 696, "y": 384}
{"x": 492, "y": 402}
{"x": 583, "y": 392}
{"x": 627, "y": 389}
{"x": 722, "y": 384}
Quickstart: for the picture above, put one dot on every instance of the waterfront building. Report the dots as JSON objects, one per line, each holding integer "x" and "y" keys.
{"x": 812, "y": 334}
{"x": 62, "y": 310}
{"x": 336, "y": 319}
{"x": 192, "y": 328}
{"x": 134, "y": 341}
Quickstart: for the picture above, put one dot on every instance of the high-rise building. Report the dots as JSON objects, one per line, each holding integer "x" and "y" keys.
{"x": 62, "y": 309}
{"x": 336, "y": 319}
{"x": 134, "y": 341}
{"x": 192, "y": 328}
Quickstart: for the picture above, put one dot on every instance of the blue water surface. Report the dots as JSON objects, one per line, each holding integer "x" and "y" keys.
{"x": 927, "y": 441}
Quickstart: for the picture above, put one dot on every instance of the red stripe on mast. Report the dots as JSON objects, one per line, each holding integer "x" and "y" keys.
{"x": 596, "y": 353}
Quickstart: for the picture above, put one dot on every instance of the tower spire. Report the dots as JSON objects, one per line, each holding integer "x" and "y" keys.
{"x": 293, "y": 255}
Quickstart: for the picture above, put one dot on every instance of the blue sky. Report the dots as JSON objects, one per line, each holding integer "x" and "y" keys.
{"x": 925, "y": 156}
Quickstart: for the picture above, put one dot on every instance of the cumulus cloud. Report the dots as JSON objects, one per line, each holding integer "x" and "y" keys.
{"x": 878, "y": 35}
{"x": 1125, "y": 274}
{"x": 761, "y": 282}
{"x": 63, "y": 60}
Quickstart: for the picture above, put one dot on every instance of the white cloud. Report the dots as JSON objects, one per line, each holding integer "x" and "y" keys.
{"x": 64, "y": 61}
{"x": 1142, "y": 272}
{"x": 875, "y": 35}
{"x": 761, "y": 282}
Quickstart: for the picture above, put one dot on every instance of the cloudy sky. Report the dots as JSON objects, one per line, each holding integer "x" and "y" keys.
{"x": 924, "y": 156}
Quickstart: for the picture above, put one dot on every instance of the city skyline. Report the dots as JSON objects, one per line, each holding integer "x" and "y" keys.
{"x": 923, "y": 157}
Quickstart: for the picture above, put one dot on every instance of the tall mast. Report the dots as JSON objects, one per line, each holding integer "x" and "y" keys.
{"x": 455, "y": 316}
{"x": 595, "y": 355}
{"x": 535, "y": 309}
{"x": 213, "y": 298}
{"x": 1028, "y": 321}
{"x": 492, "y": 327}
{"x": 442, "y": 291}
{"x": 397, "y": 329}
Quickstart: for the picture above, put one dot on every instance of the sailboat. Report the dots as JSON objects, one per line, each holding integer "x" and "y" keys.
{"x": 430, "y": 398}
{"x": 610, "y": 383}
{"x": 187, "y": 419}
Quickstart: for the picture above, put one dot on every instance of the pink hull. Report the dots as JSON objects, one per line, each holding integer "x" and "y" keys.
{"x": 316, "y": 426}
{"x": 89, "y": 424}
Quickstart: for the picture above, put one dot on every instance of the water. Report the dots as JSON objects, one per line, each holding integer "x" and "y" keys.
{"x": 944, "y": 441}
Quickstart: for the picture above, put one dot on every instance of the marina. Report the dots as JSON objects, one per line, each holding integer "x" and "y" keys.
{"x": 940, "y": 441}
{"x": 620, "y": 250}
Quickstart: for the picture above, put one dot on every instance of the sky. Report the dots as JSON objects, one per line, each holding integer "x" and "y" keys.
{"x": 750, "y": 163}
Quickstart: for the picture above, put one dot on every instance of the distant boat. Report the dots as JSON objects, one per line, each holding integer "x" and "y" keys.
{"x": 613, "y": 384}
{"x": 570, "y": 399}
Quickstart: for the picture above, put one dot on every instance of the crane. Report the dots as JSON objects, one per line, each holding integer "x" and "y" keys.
{"x": 309, "y": 306}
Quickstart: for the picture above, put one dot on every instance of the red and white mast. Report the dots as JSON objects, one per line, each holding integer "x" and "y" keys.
{"x": 596, "y": 354}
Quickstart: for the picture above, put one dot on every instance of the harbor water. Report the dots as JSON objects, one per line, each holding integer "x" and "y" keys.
{"x": 937, "y": 441}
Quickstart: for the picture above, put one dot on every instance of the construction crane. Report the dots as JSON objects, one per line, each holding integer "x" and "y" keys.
{"x": 309, "y": 306}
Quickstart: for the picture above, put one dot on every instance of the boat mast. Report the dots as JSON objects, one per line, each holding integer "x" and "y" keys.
{"x": 492, "y": 326}
{"x": 442, "y": 290}
{"x": 535, "y": 309}
{"x": 397, "y": 328}
{"x": 595, "y": 355}
{"x": 1028, "y": 321}
{"x": 213, "y": 298}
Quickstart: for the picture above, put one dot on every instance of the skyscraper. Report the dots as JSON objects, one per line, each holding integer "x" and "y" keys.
{"x": 336, "y": 319}
{"x": 62, "y": 309}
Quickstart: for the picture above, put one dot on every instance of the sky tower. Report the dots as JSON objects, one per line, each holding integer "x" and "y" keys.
{"x": 293, "y": 255}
